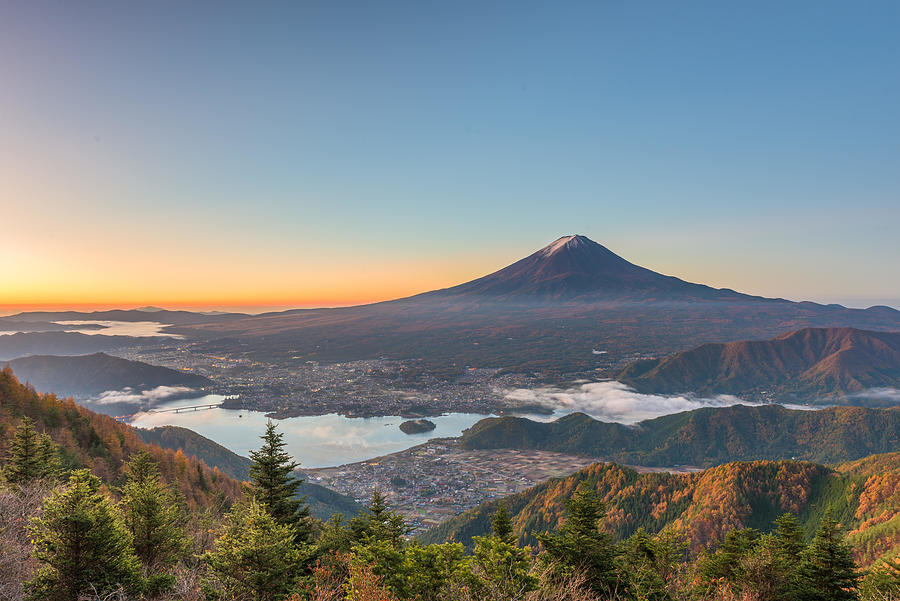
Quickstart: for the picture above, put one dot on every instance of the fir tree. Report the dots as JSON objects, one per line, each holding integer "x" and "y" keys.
{"x": 379, "y": 523}
{"x": 789, "y": 538}
{"x": 254, "y": 556}
{"x": 501, "y": 570}
{"x": 647, "y": 563}
{"x": 431, "y": 570}
{"x": 48, "y": 454}
{"x": 379, "y": 537}
{"x": 25, "y": 462}
{"x": 579, "y": 546}
{"x": 827, "y": 570}
{"x": 154, "y": 519}
{"x": 501, "y": 525}
{"x": 725, "y": 564}
{"x": 82, "y": 544}
{"x": 274, "y": 485}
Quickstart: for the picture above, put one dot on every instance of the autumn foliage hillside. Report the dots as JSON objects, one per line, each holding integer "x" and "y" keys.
{"x": 863, "y": 495}
{"x": 99, "y": 442}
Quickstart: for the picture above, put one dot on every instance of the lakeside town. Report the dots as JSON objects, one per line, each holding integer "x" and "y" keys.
{"x": 437, "y": 480}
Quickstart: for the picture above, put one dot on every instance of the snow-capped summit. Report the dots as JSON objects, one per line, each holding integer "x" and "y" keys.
{"x": 576, "y": 267}
{"x": 559, "y": 244}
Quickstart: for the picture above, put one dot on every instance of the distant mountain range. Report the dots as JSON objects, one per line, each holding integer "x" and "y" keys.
{"x": 703, "y": 437}
{"x": 811, "y": 363}
{"x": 143, "y": 314}
{"x": 13, "y": 346}
{"x": 546, "y": 312}
{"x": 90, "y": 375}
{"x": 863, "y": 495}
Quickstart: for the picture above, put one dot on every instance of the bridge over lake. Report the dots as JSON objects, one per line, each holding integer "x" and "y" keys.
{"x": 186, "y": 408}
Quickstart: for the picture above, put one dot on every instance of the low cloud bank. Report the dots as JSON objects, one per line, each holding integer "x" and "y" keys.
{"x": 142, "y": 397}
{"x": 891, "y": 395}
{"x": 612, "y": 401}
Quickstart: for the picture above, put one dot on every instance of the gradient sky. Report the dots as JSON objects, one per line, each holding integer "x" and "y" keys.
{"x": 305, "y": 153}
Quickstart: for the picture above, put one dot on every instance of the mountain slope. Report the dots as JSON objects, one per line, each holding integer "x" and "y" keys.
{"x": 802, "y": 364}
{"x": 703, "y": 437}
{"x": 862, "y": 495}
{"x": 543, "y": 313}
{"x": 64, "y": 343}
{"x": 89, "y": 439}
{"x": 323, "y": 502}
{"x": 575, "y": 268}
{"x": 88, "y": 375}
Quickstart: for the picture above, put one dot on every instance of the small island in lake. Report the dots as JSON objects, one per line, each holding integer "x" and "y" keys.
{"x": 417, "y": 426}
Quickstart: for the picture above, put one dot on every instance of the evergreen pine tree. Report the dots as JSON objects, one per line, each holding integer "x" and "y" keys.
{"x": 274, "y": 485}
{"x": 789, "y": 538}
{"x": 154, "y": 519}
{"x": 787, "y": 547}
{"x": 647, "y": 563}
{"x": 432, "y": 570}
{"x": 254, "y": 556}
{"x": 48, "y": 454}
{"x": 501, "y": 525}
{"x": 25, "y": 459}
{"x": 726, "y": 562}
{"x": 82, "y": 544}
{"x": 579, "y": 546}
{"x": 379, "y": 540}
{"x": 827, "y": 569}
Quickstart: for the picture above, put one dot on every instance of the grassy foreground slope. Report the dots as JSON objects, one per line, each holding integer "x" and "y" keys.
{"x": 864, "y": 496}
{"x": 704, "y": 437}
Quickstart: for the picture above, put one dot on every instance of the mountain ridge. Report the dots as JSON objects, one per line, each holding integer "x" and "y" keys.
{"x": 90, "y": 375}
{"x": 799, "y": 365}
{"x": 703, "y": 437}
{"x": 862, "y": 495}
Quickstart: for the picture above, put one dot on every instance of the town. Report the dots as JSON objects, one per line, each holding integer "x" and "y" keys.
{"x": 437, "y": 480}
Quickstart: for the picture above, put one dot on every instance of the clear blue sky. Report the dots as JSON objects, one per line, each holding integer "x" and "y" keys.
{"x": 321, "y": 152}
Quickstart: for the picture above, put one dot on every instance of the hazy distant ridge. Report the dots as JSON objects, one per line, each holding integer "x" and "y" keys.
{"x": 85, "y": 375}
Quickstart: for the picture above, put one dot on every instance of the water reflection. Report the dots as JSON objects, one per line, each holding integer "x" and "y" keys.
{"x": 314, "y": 441}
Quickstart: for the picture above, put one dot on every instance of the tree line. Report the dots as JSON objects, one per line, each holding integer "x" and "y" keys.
{"x": 137, "y": 539}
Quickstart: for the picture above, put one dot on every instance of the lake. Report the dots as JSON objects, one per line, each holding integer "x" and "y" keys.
{"x": 314, "y": 441}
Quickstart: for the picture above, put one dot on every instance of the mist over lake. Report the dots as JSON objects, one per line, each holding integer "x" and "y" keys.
{"x": 332, "y": 439}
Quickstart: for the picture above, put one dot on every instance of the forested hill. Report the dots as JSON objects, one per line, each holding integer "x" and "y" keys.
{"x": 85, "y": 375}
{"x": 88, "y": 439}
{"x": 864, "y": 496}
{"x": 806, "y": 364}
{"x": 323, "y": 502}
{"x": 704, "y": 437}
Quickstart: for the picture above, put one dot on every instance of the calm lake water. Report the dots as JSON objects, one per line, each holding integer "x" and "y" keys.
{"x": 120, "y": 328}
{"x": 314, "y": 441}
